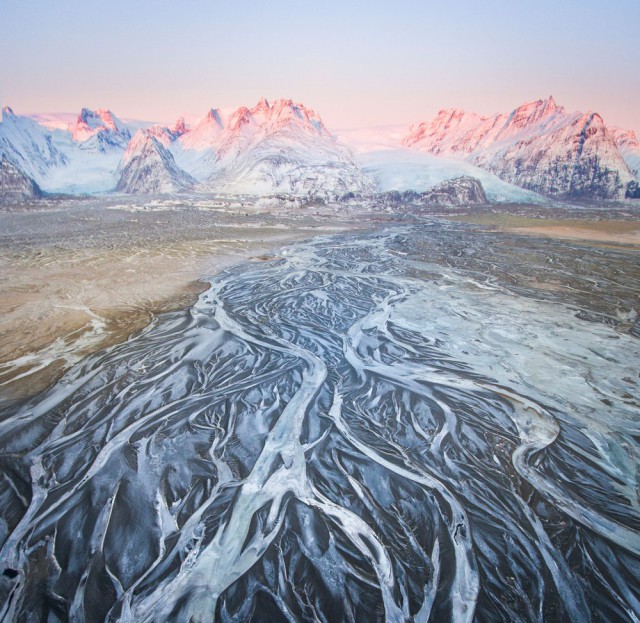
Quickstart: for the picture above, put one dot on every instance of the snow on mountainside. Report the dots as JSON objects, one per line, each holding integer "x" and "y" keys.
{"x": 276, "y": 148}
{"x": 99, "y": 130}
{"x": 629, "y": 148}
{"x": 23, "y": 143}
{"x": 148, "y": 166}
{"x": 62, "y": 156}
{"x": 538, "y": 146}
{"x": 283, "y": 147}
{"x": 196, "y": 148}
{"x": 271, "y": 148}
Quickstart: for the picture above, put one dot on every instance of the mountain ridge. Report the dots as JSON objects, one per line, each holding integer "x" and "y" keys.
{"x": 284, "y": 147}
{"x": 538, "y": 146}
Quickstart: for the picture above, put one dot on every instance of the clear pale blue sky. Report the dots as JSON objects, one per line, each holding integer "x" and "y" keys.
{"x": 356, "y": 62}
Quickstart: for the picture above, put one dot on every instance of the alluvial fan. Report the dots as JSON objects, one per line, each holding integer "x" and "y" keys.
{"x": 349, "y": 432}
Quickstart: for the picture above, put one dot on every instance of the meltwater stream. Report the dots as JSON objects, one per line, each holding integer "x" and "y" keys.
{"x": 345, "y": 433}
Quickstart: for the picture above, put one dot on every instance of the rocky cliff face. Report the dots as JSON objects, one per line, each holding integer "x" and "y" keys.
{"x": 16, "y": 185}
{"x": 271, "y": 148}
{"x": 284, "y": 148}
{"x": 538, "y": 146}
{"x": 148, "y": 167}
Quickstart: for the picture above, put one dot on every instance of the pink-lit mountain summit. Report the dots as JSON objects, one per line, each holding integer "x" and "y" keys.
{"x": 284, "y": 148}
{"x": 538, "y": 146}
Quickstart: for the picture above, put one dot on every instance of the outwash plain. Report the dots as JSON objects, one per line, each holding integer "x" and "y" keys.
{"x": 221, "y": 409}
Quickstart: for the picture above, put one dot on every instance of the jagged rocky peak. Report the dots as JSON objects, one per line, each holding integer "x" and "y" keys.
{"x": 533, "y": 112}
{"x": 148, "y": 167}
{"x": 180, "y": 127}
{"x": 282, "y": 147}
{"x": 239, "y": 118}
{"x": 15, "y": 185}
{"x": 284, "y": 110}
{"x": 453, "y": 116}
{"x": 142, "y": 140}
{"x": 262, "y": 106}
{"x": 160, "y": 132}
{"x": 101, "y": 121}
{"x": 213, "y": 117}
{"x": 448, "y": 122}
{"x": 7, "y": 112}
{"x": 276, "y": 115}
{"x": 98, "y": 118}
{"x": 625, "y": 139}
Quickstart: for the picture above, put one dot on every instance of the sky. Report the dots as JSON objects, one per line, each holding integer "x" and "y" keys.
{"x": 355, "y": 62}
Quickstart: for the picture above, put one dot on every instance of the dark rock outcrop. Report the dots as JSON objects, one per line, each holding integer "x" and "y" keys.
{"x": 633, "y": 191}
{"x": 456, "y": 192}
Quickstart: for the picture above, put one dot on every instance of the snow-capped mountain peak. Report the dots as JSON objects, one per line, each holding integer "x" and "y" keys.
{"x": 261, "y": 106}
{"x": 532, "y": 113}
{"x": 285, "y": 110}
{"x": 26, "y": 146}
{"x": 283, "y": 147}
{"x": 180, "y": 127}
{"x": 147, "y": 166}
{"x": 538, "y": 146}
{"x": 100, "y": 130}
{"x": 213, "y": 117}
{"x": 241, "y": 117}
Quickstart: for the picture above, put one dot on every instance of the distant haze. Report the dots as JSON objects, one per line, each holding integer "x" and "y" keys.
{"x": 357, "y": 63}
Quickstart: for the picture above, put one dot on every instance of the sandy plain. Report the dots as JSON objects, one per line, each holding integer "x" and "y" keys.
{"x": 77, "y": 276}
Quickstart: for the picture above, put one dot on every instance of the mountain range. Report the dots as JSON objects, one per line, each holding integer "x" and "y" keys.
{"x": 538, "y": 146}
{"x": 284, "y": 148}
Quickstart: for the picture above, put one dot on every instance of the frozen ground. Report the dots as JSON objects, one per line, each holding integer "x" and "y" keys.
{"x": 431, "y": 421}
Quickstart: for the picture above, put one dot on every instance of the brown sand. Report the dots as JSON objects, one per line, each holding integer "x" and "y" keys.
{"x": 588, "y": 230}
{"x": 58, "y": 305}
